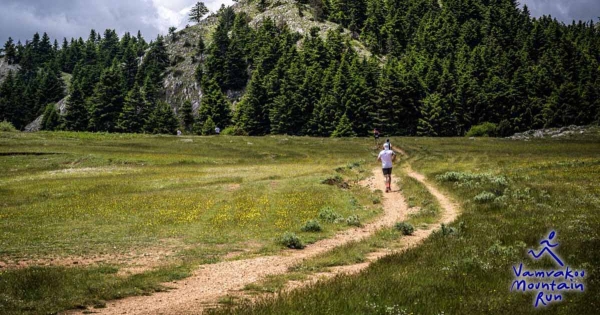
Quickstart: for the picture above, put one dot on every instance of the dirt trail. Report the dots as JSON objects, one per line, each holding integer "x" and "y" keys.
{"x": 210, "y": 282}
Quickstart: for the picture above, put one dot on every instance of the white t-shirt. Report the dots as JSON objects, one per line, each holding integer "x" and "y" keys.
{"x": 386, "y": 158}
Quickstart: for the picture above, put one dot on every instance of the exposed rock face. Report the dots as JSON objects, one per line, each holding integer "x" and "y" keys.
{"x": 550, "y": 133}
{"x": 5, "y": 68}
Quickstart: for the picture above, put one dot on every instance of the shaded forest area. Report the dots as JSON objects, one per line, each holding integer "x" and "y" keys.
{"x": 438, "y": 68}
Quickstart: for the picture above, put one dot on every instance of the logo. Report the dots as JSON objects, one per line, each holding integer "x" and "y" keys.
{"x": 548, "y": 285}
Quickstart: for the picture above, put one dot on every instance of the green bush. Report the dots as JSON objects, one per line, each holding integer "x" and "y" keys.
{"x": 485, "y": 197}
{"x": 405, "y": 228}
{"x": 7, "y": 126}
{"x": 312, "y": 226}
{"x": 353, "y": 220}
{"x": 291, "y": 240}
{"x": 233, "y": 131}
{"x": 486, "y": 129}
{"x": 327, "y": 214}
{"x": 446, "y": 230}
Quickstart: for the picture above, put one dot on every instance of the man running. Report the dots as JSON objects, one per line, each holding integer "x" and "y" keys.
{"x": 387, "y": 157}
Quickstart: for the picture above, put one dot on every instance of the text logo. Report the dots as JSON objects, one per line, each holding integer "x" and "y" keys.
{"x": 548, "y": 285}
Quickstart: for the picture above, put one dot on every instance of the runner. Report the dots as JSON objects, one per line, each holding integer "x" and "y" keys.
{"x": 387, "y": 157}
{"x": 376, "y": 135}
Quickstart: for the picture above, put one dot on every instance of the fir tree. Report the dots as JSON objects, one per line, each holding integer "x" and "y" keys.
{"x": 162, "y": 119}
{"x": 132, "y": 118}
{"x": 214, "y": 105}
{"x": 208, "y": 128}
{"x": 51, "y": 120}
{"x": 343, "y": 128}
{"x": 76, "y": 118}
{"x": 252, "y": 117}
{"x": 186, "y": 115}
{"x": 10, "y": 52}
{"x": 107, "y": 102}
{"x": 198, "y": 11}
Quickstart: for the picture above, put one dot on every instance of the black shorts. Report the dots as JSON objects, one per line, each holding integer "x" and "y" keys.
{"x": 387, "y": 171}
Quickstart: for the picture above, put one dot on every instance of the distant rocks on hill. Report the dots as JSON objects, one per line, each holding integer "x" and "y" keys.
{"x": 550, "y": 133}
{"x": 36, "y": 125}
{"x": 5, "y": 68}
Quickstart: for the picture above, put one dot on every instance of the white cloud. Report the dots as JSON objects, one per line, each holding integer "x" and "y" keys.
{"x": 175, "y": 12}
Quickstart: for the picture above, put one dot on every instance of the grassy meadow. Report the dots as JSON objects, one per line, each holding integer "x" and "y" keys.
{"x": 81, "y": 213}
{"x": 512, "y": 193}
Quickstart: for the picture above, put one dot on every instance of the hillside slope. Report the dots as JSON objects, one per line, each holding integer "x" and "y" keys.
{"x": 180, "y": 83}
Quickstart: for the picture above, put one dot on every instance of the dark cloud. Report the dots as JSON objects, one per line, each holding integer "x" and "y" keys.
{"x": 565, "y": 10}
{"x": 20, "y": 19}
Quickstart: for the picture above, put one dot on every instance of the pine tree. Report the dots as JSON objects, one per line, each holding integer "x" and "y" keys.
{"x": 162, "y": 120}
{"x": 201, "y": 48}
{"x": 252, "y": 117}
{"x": 208, "y": 128}
{"x": 216, "y": 61}
{"x": 343, "y": 128}
{"x": 198, "y": 11}
{"x": 431, "y": 115}
{"x": 10, "y": 52}
{"x": 186, "y": 115}
{"x": 214, "y": 105}
{"x": 131, "y": 119}
{"x": 51, "y": 86}
{"x": 107, "y": 102}
{"x": 51, "y": 120}
{"x": 130, "y": 66}
{"x": 76, "y": 118}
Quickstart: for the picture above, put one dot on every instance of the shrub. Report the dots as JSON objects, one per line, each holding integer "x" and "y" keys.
{"x": 177, "y": 60}
{"x": 376, "y": 200}
{"x": 504, "y": 129}
{"x": 486, "y": 129}
{"x": 405, "y": 228}
{"x": 469, "y": 179}
{"x": 336, "y": 180}
{"x": 312, "y": 226}
{"x": 291, "y": 240}
{"x": 353, "y": 220}
{"x": 7, "y": 126}
{"x": 446, "y": 230}
{"x": 233, "y": 131}
{"x": 177, "y": 73}
{"x": 327, "y": 214}
{"x": 485, "y": 197}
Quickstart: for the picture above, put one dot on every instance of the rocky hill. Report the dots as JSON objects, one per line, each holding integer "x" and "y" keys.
{"x": 180, "y": 84}
{"x": 5, "y": 68}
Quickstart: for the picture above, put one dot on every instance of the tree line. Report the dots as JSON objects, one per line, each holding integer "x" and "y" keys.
{"x": 435, "y": 68}
{"x": 115, "y": 85}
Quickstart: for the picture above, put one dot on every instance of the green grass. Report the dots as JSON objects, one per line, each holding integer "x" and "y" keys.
{"x": 418, "y": 196}
{"x": 549, "y": 184}
{"x": 89, "y": 195}
{"x": 274, "y": 283}
{"x": 351, "y": 253}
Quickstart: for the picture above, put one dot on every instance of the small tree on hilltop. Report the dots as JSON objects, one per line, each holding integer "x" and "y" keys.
{"x": 172, "y": 33}
{"x": 198, "y": 11}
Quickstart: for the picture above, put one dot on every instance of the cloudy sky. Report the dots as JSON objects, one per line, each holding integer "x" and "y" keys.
{"x": 74, "y": 18}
